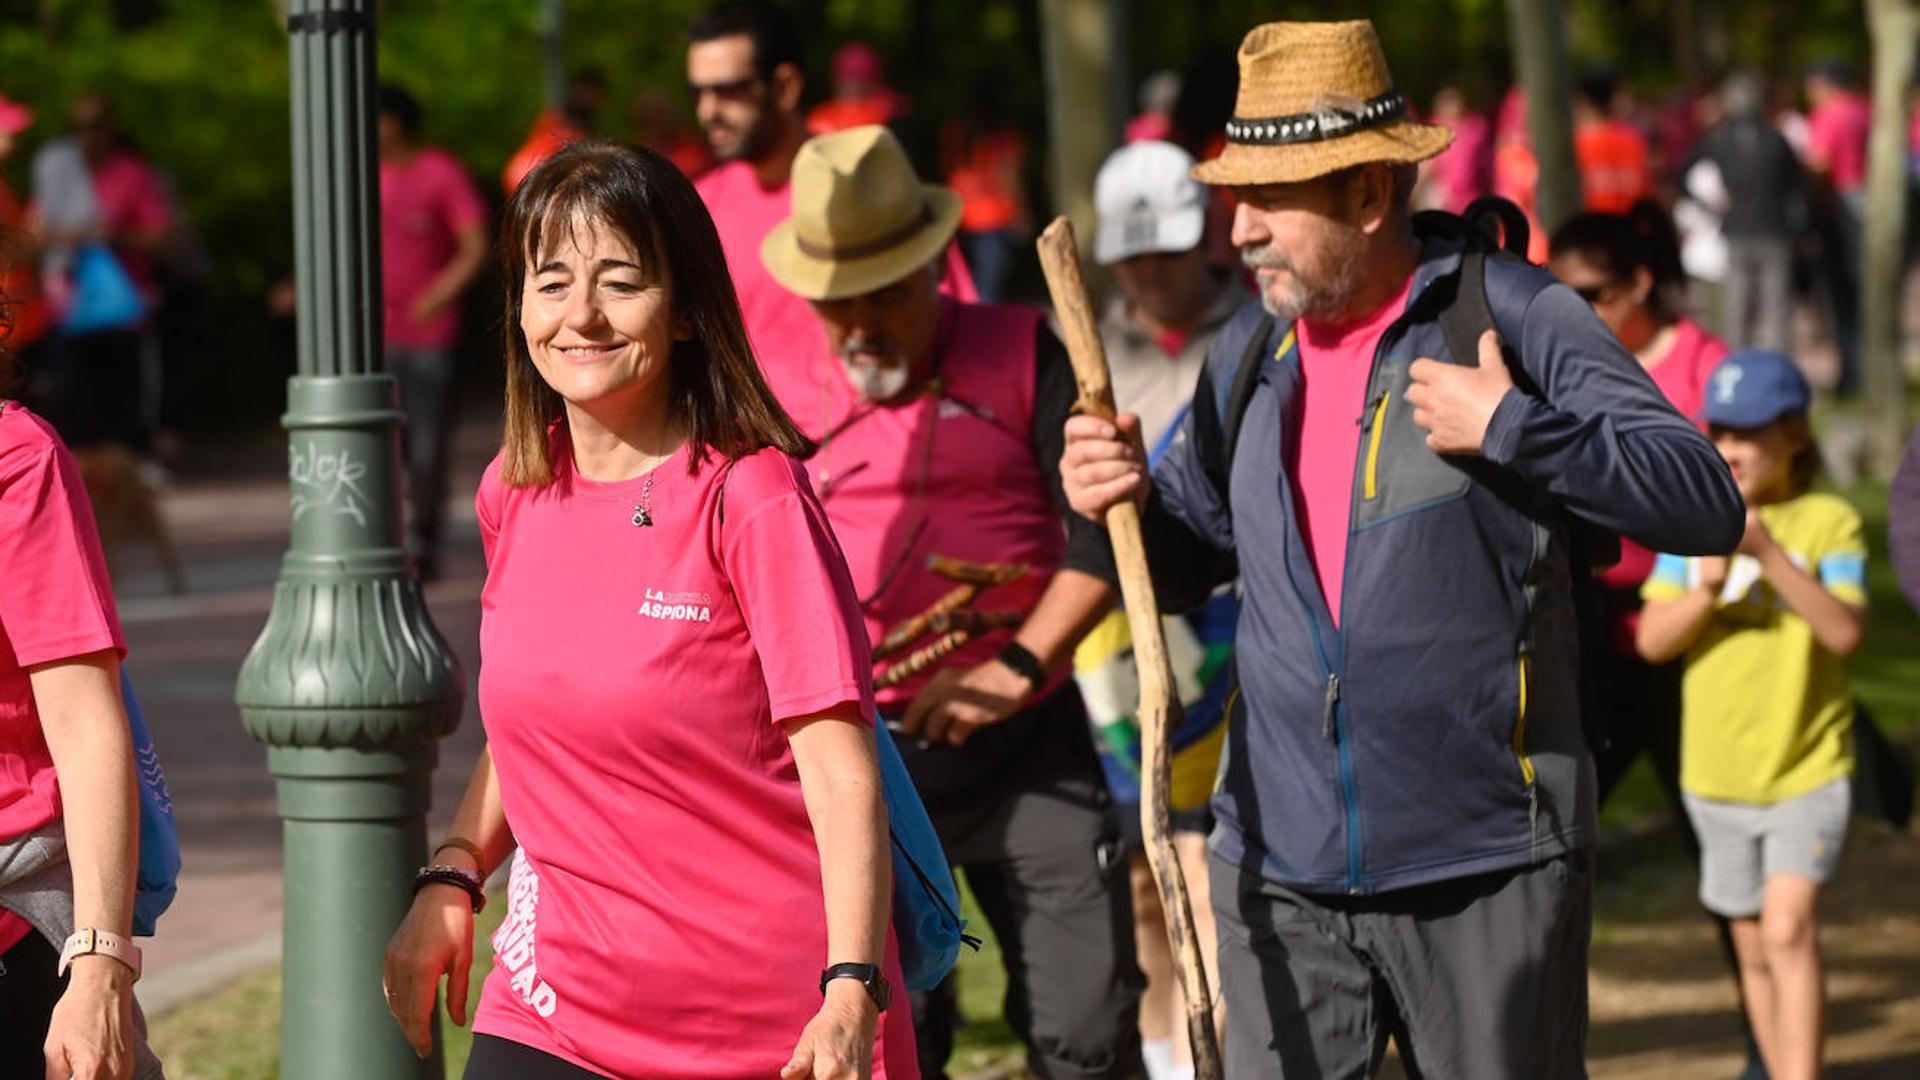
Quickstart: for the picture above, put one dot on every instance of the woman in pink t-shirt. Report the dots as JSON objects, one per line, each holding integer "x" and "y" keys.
{"x": 67, "y": 786}
{"x": 675, "y": 683}
{"x": 1628, "y": 267}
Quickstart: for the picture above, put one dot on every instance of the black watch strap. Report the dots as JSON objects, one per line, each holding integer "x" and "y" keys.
{"x": 867, "y": 975}
{"x": 1024, "y": 664}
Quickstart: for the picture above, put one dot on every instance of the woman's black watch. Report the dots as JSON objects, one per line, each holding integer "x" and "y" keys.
{"x": 867, "y": 975}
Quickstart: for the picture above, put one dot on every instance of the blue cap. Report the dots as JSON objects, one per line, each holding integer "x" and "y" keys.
{"x": 1754, "y": 387}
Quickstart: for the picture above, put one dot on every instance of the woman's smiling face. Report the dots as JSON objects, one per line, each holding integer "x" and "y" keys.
{"x": 599, "y": 325}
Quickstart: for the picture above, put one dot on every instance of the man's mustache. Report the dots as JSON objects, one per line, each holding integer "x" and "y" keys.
{"x": 1266, "y": 258}
{"x": 876, "y": 347}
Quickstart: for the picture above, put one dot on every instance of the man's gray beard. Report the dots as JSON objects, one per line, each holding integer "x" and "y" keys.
{"x": 1325, "y": 302}
{"x": 875, "y": 383}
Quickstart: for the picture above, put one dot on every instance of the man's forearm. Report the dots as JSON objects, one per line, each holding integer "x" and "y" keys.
{"x": 1073, "y": 604}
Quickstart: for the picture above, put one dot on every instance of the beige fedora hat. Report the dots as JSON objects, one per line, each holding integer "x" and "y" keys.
{"x": 1315, "y": 98}
{"x": 861, "y": 219}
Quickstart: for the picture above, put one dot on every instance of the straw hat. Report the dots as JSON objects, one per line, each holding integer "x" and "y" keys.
{"x": 1316, "y": 98}
{"x": 861, "y": 219}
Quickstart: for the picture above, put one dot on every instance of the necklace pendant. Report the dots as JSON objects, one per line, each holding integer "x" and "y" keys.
{"x": 642, "y": 517}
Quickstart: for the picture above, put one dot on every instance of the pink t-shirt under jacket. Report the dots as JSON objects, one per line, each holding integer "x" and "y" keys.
{"x": 666, "y": 912}
{"x": 1335, "y": 364}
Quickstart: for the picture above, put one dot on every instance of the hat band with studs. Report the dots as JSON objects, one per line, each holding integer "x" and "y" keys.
{"x": 1328, "y": 122}
{"x": 887, "y": 242}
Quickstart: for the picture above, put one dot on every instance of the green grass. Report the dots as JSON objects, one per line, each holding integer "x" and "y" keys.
{"x": 235, "y": 1034}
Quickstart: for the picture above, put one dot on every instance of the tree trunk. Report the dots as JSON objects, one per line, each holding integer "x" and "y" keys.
{"x": 1537, "y": 28}
{"x": 1079, "y": 39}
{"x": 1894, "y": 25}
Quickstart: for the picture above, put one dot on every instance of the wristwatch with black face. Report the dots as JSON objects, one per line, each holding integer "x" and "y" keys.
{"x": 867, "y": 975}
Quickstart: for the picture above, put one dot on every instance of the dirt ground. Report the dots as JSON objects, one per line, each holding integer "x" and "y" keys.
{"x": 1663, "y": 1003}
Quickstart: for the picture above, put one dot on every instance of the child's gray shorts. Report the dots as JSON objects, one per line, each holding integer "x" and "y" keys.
{"x": 1744, "y": 844}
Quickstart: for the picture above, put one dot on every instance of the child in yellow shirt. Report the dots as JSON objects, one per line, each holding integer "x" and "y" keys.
{"x": 1765, "y": 750}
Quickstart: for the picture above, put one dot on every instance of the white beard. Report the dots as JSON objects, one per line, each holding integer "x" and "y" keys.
{"x": 875, "y": 383}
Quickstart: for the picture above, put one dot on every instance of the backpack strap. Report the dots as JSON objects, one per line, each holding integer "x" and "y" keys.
{"x": 1246, "y": 378}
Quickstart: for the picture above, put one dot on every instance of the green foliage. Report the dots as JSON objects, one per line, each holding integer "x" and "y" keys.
{"x": 201, "y": 86}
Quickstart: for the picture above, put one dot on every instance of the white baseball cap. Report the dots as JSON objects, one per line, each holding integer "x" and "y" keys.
{"x": 1147, "y": 203}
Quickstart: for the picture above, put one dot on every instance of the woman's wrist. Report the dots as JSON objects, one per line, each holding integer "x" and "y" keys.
{"x": 850, "y": 993}
{"x": 100, "y": 972}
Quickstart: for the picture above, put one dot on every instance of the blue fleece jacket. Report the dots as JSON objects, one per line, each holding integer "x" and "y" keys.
{"x": 1436, "y": 733}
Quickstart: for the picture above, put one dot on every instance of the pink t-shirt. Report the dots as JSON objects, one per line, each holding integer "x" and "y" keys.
{"x": 56, "y": 602}
{"x": 1837, "y": 139}
{"x": 785, "y": 335}
{"x": 132, "y": 201}
{"x": 666, "y": 904}
{"x": 1335, "y": 363}
{"x": 953, "y": 475}
{"x": 425, "y": 203}
{"x": 1682, "y": 376}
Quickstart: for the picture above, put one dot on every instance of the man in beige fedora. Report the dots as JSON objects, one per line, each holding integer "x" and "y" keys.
{"x": 1406, "y": 812}
{"x": 940, "y": 437}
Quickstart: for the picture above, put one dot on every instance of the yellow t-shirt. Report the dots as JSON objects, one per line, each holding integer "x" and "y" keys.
{"x": 1766, "y": 710}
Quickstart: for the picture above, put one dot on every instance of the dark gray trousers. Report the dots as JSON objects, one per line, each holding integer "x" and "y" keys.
{"x": 1483, "y": 978}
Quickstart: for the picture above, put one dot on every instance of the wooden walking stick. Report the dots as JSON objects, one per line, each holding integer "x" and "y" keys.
{"x": 1160, "y": 709}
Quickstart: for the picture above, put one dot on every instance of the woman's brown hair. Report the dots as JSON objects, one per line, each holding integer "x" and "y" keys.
{"x": 719, "y": 391}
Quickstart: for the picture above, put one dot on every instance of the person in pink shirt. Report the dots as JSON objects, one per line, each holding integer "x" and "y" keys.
{"x": 940, "y": 431}
{"x": 433, "y": 242}
{"x": 67, "y": 802}
{"x": 1464, "y": 170}
{"x": 745, "y": 77}
{"x": 675, "y": 684}
{"x": 100, "y": 383}
{"x": 1628, "y": 267}
{"x": 1839, "y": 119}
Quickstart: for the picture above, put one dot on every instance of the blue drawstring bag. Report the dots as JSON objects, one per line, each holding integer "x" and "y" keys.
{"x": 926, "y": 903}
{"x": 104, "y": 297}
{"x": 159, "y": 839}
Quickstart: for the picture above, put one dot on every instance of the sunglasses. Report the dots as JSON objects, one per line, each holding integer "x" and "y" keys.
{"x": 737, "y": 90}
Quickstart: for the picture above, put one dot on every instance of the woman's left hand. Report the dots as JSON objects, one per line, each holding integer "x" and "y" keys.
{"x": 838, "y": 1042}
{"x": 91, "y": 1034}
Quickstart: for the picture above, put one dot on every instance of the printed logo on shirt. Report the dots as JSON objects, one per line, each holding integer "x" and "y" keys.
{"x": 513, "y": 941}
{"x": 677, "y": 606}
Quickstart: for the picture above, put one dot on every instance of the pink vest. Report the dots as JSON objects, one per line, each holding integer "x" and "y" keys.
{"x": 973, "y": 493}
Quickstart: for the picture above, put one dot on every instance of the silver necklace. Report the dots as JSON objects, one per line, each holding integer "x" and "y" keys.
{"x": 643, "y": 510}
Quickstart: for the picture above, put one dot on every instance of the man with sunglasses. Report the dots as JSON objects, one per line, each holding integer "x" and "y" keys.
{"x": 941, "y": 431}
{"x": 745, "y": 79}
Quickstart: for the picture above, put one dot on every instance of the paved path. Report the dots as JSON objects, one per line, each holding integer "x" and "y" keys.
{"x": 184, "y": 654}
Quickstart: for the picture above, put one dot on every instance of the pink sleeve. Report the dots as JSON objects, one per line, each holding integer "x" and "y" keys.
{"x": 794, "y": 591}
{"x": 486, "y": 508}
{"x": 459, "y": 199}
{"x": 56, "y": 601}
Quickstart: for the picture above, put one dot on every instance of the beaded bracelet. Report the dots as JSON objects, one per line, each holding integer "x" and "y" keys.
{"x": 458, "y": 876}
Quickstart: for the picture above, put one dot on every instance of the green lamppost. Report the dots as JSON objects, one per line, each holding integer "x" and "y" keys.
{"x": 349, "y": 685}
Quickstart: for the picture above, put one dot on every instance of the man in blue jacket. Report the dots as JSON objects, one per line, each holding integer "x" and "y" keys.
{"x": 1406, "y": 809}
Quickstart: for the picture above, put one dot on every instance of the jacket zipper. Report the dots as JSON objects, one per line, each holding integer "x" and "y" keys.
{"x": 1520, "y": 721}
{"x": 1375, "y": 428}
{"x": 1337, "y": 719}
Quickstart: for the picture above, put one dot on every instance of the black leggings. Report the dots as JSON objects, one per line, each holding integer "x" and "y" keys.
{"x": 503, "y": 1059}
{"x": 28, "y": 991}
